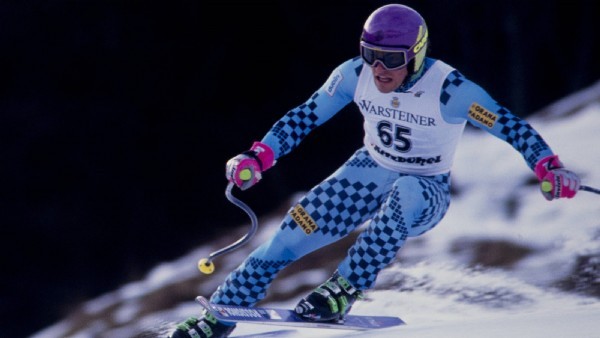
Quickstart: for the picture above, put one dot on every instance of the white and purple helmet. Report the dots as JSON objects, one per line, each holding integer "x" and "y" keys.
{"x": 395, "y": 35}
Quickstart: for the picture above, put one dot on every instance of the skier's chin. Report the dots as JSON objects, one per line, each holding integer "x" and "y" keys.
{"x": 384, "y": 84}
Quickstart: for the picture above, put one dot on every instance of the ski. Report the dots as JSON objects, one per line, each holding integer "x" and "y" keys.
{"x": 277, "y": 333}
{"x": 284, "y": 317}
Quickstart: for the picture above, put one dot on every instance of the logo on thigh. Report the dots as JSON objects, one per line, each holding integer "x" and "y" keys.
{"x": 303, "y": 219}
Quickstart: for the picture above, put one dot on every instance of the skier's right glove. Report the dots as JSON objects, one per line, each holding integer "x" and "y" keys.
{"x": 556, "y": 181}
{"x": 245, "y": 169}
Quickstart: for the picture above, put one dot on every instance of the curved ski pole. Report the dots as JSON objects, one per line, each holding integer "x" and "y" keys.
{"x": 205, "y": 265}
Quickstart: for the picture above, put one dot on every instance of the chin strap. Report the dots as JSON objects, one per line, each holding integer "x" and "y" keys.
{"x": 412, "y": 76}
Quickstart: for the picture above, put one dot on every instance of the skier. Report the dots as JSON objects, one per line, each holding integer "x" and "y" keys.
{"x": 398, "y": 183}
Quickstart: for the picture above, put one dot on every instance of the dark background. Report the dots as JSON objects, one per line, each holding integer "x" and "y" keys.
{"x": 117, "y": 118}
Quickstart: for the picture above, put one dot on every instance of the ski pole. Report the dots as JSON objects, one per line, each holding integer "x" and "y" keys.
{"x": 547, "y": 187}
{"x": 206, "y": 265}
{"x": 590, "y": 189}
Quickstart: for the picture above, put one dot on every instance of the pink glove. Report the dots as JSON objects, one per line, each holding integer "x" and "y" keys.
{"x": 557, "y": 182}
{"x": 245, "y": 170}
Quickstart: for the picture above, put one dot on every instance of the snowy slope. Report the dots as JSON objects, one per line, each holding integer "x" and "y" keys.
{"x": 504, "y": 261}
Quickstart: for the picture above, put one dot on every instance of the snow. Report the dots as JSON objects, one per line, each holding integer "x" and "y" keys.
{"x": 454, "y": 302}
{"x": 433, "y": 286}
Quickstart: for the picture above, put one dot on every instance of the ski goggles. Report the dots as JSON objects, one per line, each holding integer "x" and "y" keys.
{"x": 391, "y": 59}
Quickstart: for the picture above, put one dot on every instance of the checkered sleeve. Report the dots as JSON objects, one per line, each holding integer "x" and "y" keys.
{"x": 463, "y": 99}
{"x": 287, "y": 133}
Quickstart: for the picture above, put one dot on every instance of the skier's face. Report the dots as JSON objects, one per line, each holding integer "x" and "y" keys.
{"x": 388, "y": 80}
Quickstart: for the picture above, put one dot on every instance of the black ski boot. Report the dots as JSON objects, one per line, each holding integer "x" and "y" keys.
{"x": 205, "y": 327}
{"x": 330, "y": 301}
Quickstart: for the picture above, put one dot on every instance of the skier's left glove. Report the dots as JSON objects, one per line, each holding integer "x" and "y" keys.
{"x": 245, "y": 169}
{"x": 557, "y": 182}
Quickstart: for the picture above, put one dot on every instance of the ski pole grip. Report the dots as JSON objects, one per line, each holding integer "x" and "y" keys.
{"x": 546, "y": 186}
{"x": 246, "y": 174}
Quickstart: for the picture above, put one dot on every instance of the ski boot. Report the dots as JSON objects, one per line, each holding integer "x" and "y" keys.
{"x": 205, "y": 327}
{"x": 330, "y": 301}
